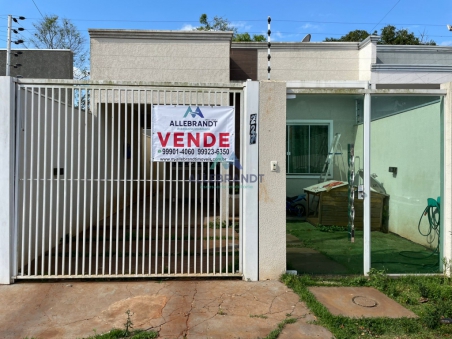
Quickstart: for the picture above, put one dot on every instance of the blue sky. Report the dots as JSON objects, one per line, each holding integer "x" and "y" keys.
{"x": 291, "y": 20}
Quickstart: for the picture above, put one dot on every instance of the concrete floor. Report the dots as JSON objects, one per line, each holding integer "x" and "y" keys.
{"x": 177, "y": 309}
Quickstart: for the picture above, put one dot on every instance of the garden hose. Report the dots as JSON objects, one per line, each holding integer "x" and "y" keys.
{"x": 432, "y": 211}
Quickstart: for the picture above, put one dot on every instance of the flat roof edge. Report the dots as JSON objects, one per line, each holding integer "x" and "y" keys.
{"x": 298, "y": 45}
{"x": 160, "y": 35}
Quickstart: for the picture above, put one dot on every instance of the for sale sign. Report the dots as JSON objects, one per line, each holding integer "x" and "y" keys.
{"x": 192, "y": 133}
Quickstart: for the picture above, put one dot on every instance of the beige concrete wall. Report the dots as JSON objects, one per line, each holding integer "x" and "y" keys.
{"x": 150, "y": 59}
{"x": 410, "y": 141}
{"x": 272, "y": 191}
{"x": 309, "y": 64}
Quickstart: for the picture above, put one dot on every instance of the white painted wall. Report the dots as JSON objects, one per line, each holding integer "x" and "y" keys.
{"x": 410, "y": 141}
{"x": 6, "y": 178}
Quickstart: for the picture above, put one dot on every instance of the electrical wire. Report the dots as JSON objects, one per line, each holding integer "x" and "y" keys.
{"x": 38, "y": 8}
{"x": 385, "y": 15}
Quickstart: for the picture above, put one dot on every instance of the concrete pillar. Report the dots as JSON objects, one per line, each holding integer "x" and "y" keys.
{"x": 272, "y": 190}
{"x": 7, "y": 132}
{"x": 446, "y": 194}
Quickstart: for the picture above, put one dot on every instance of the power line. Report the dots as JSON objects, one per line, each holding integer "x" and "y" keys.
{"x": 258, "y": 20}
{"x": 38, "y": 8}
{"x": 385, "y": 15}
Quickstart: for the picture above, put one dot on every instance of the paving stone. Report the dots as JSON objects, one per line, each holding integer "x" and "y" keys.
{"x": 177, "y": 309}
{"x": 359, "y": 302}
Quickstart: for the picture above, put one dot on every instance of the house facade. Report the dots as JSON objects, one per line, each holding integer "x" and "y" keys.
{"x": 330, "y": 109}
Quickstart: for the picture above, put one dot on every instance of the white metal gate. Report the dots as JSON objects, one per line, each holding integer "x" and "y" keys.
{"x": 89, "y": 201}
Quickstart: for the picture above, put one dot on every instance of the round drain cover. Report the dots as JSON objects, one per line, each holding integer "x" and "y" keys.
{"x": 364, "y": 301}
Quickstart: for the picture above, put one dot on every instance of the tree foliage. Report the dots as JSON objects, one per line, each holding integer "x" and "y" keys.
{"x": 55, "y": 33}
{"x": 356, "y": 35}
{"x": 221, "y": 24}
{"x": 389, "y": 35}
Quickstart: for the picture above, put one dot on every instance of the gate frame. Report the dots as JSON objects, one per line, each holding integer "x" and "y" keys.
{"x": 249, "y": 223}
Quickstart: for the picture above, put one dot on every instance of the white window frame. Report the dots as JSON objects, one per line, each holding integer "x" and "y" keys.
{"x": 292, "y": 122}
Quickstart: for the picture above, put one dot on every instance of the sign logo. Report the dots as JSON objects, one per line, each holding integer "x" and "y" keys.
{"x": 193, "y": 114}
{"x": 226, "y": 163}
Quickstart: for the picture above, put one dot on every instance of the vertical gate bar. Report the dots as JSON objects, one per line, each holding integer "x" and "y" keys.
{"x": 23, "y": 113}
{"x": 38, "y": 179}
{"x": 63, "y": 249}
{"x": 18, "y": 264}
{"x": 189, "y": 218}
{"x": 52, "y": 121}
{"x": 137, "y": 237}
{"x": 145, "y": 184}
{"x": 118, "y": 181}
{"x": 157, "y": 212}
{"x": 72, "y": 183}
{"x": 124, "y": 213}
{"x": 150, "y": 185}
{"x": 79, "y": 133}
{"x": 208, "y": 202}
{"x": 19, "y": 185}
{"x": 58, "y": 182}
{"x": 182, "y": 220}
{"x": 201, "y": 184}
{"x": 242, "y": 127}
{"x": 105, "y": 180}
{"x": 43, "y": 201}
{"x": 99, "y": 119}
{"x": 91, "y": 205}
{"x": 164, "y": 205}
{"x": 221, "y": 207}
{"x": 170, "y": 202}
{"x": 214, "y": 242}
{"x": 131, "y": 182}
{"x": 176, "y": 207}
{"x": 163, "y": 217}
{"x": 85, "y": 160}
{"x": 176, "y": 212}
{"x": 30, "y": 215}
{"x": 208, "y": 216}
{"x": 183, "y": 207}
{"x": 195, "y": 222}
{"x": 195, "y": 244}
{"x": 112, "y": 161}
{"x": 157, "y": 204}
{"x": 234, "y": 102}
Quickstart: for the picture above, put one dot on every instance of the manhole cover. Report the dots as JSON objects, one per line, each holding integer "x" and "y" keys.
{"x": 364, "y": 301}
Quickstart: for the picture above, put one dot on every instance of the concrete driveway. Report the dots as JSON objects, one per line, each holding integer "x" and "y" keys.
{"x": 174, "y": 308}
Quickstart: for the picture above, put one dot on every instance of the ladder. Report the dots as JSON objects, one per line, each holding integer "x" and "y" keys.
{"x": 327, "y": 166}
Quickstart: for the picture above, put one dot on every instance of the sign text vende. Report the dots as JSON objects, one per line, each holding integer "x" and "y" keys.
{"x": 192, "y": 133}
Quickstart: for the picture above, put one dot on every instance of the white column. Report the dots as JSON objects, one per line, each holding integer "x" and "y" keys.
{"x": 7, "y": 131}
{"x": 250, "y": 195}
{"x": 366, "y": 202}
{"x": 446, "y": 190}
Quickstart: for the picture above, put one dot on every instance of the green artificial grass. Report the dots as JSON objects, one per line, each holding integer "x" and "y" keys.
{"x": 427, "y": 296}
{"x": 390, "y": 252}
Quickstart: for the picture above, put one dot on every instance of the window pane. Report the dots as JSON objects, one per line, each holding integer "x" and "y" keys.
{"x": 298, "y": 148}
{"x": 318, "y": 147}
